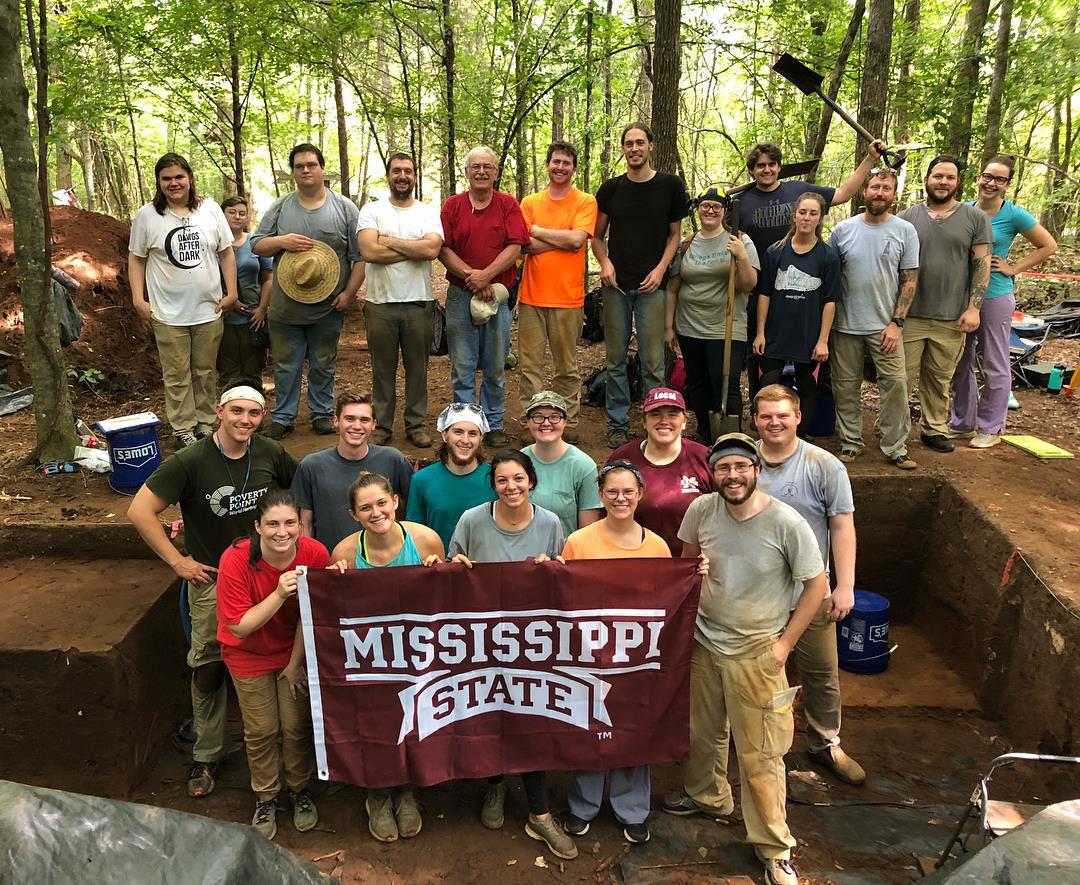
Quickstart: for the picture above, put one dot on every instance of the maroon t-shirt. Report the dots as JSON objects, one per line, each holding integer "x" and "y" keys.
{"x": 669, "y": 488}
{"x": 477, "y": 237}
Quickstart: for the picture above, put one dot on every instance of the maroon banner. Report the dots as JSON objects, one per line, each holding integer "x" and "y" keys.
{"x": 425, "y": 675}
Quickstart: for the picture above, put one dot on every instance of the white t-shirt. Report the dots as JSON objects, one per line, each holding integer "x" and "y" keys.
{"x": 183, "y": 275}
{"x": 402, "y": 280}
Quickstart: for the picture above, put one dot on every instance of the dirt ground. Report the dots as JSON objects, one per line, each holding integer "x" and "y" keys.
{"x": 1039, "y": 503}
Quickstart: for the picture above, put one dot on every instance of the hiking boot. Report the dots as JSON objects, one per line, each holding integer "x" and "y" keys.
{"x": 574, "y": 825}
{"x": 839, "y": 763}
{"x": 984, "y": 441}
{"x": 637, "y": 834}
{"x": 849, "y": 455}
{"x": 496, "y": 439}
{"x": 550, "y": 832}
{"x": 683, "y": 805}
{"x": 277, "y": 430}
{"x": 380, "y": 436}
{"x": 407, "y": 813}
{"x": 380, "y": 812}
{"x": 491, "y": 813}
{"x": 419, "y": 438}
{"x": 185, "y": 438}
{"x": 938, "y": 442}
{"x": 780, "y": 871}
{"x": 200, "y": 780}
{"x": 265, "y": 818}
{"x": 616, "y": 437}
{"x": 304, "y": 813}
{"x": 903, "y": 462}
{"x": 323, "y": 426}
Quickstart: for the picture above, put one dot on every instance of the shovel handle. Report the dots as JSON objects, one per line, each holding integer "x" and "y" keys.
{"x": 890, "y": 158}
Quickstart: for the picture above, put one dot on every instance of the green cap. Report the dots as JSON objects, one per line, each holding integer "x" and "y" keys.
{"x": 547, "y": 398}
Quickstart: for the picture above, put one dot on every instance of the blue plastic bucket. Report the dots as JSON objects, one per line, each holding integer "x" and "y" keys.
{"x": 134, "y": 451}
{"x": 862, "y": 638}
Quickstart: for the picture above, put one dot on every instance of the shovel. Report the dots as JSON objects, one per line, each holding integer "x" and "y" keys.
{"x": 809, "y": 83}
{"x": 722, "y": 422}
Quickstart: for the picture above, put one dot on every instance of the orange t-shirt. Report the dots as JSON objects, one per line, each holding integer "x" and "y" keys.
{"x": 557, "y": 278}
{"x": 592, "y": 542}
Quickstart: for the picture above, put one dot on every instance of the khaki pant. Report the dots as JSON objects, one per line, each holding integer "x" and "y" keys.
{"x": 268, "y": 710}
{"x": 188, "y": 357}
{"x": 557, "y": 328}
{"x": 846, "y": 353}
{"x": 208, "y": 708}
{"x": 406, "y": 326}
{"x": 740, "y": 691}
{"x": 932, "y": 350}
{"x": 815, "y": 655}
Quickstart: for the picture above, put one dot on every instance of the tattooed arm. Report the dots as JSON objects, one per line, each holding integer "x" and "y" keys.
{"x": 980, "y": 279}
{"x": 890, "y": 335}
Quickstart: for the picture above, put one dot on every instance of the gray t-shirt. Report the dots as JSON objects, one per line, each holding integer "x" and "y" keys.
{"x": 334, "y": 222}
{"x": 480, "y": 539}
{"x": 944, "y": 289}
{"x": 753, "y": 564}
{"x": 872, "y": 256}
{"x": 322, "y": 482}
{"x": 701, "y": 309}
{"x": 565, "y": 486}
{"x": 814, "y": 482}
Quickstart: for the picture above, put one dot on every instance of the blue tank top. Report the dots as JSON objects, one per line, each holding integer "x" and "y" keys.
{"x": 409, "y": 555}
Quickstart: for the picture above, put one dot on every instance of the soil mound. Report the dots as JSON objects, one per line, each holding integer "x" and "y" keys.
{"x": 92, "y": 248}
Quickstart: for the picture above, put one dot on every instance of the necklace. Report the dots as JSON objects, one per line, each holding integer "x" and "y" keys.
{"x": 228, "y": 470}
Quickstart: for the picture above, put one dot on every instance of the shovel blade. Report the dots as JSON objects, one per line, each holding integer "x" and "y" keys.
{"x": 795, "y": 72}
{"x": 720, "y": 424}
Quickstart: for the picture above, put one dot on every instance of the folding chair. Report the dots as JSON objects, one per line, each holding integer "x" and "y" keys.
{"x": 996, "y": 817}
{"x": 1022, "y": 351}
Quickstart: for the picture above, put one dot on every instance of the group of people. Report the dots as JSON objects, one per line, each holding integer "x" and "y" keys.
{"x": 762, "y": 519}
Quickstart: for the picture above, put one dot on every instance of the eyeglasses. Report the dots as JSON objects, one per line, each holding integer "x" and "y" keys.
{"x": 997, "y": 179}
{"x": 303, "y": 167}
{"x": 742, "y": 468}
{"x": 615, "y": 494}
{"x": 550, "y": 419}
{"x": 710, "y": 208}
{"x": 481, "y": 167}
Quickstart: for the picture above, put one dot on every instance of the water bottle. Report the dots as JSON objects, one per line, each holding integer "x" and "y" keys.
{"x": 1057, "y": 378}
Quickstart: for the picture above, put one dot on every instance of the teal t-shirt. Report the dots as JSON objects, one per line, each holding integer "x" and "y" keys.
{"x": 1009, "y": 221}
{"x": 565, "y": 486}
{"x": 437, "y": 497}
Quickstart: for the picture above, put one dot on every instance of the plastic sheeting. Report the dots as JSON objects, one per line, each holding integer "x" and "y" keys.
{"x": 49, "y": 836}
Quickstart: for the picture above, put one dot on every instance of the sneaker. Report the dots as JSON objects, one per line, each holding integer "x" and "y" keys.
{"x": 419, "y": 438}
{"x": 683, "y": 805}
{"x": 200, "y": 780}
{"x": 277, "y": 430}
{"x": 550, "y": 832}
{"x": 938, "y": 442}
{"x": 984, "y": 441}
{"x": 407, "y": 813}
{"x": 780, "y": 871}
{"x": 849, "y": 455}
{"x": 380, "y": 436}
{"x": 304, "y": 813}
{"x": 265, "y": 818}
{"x": 637, "y": 834}
{"x": 323, "y": 426}
{"x": 185, "y": 438}
{"x": 834, "y": 760}
{"x": 202, "y": 431}
{"x": 903, "y": 462}
{"x": 574, "y": 825}
{"x": 960, "y": 434}
{"x": 380, "y": 812}
{"x": 491, "y": 813}
{"x": 616, "y": 437}
{"x": 496, "y": 438}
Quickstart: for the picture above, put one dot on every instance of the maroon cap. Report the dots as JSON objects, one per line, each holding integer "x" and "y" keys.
{"x": 661, "y": 397}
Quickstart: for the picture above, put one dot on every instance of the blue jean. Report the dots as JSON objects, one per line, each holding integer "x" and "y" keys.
{"x": 622, "y": 312}
{"x": 475, "y": 347}
{"x": 290, "y": 346}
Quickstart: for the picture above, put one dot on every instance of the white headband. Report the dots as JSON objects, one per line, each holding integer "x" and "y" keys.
{"x": 242, "y": 391}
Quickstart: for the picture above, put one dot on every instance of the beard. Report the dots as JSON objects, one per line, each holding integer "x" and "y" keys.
{"x": 935, "y": 200}
{"x": 739, "y": 494}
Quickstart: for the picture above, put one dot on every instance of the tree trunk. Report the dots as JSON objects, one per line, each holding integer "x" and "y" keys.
{"x": 342, "y": 137}
{"x": 63, "y": 180}
{"x": 966, "y": 84}
{"x": 833, "y": 89}
{"x": 449, "y": 70}
{"x": 645, "y": 70}
{"x": 874, "y": 92}
{"x": 269, "y": 138}
{"x": 905, "y": 87}
{"x": 992, "y": 143}
{"x": 236, "y": 117}
{"x": 86, "y": 160}
{"x": 54, "y": 425}
{"x": 586, "y": 153}
{"x": 519, "y": 99}
{"x": 667, "y": 52}
{"x": 558, "y": 117}
{"x": 605, "y": 147}
{"x": 1050, "y": 213}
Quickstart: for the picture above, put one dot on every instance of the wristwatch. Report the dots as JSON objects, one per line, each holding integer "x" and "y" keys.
{"x": 899, "y": 322}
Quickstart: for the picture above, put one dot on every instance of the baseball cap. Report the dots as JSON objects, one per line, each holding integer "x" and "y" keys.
{"x": 733, "y": 444}
{"x": 661, "y": 397}
{"x": 547, "y": 398}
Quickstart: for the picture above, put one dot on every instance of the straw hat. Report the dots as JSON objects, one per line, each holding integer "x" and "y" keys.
{"x": 309, "y": 277}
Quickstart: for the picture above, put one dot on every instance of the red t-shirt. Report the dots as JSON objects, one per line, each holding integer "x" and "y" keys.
{"x": 669, "y": 488}
{"x": 477, "y": 237}
{"x": 239, "y": 588}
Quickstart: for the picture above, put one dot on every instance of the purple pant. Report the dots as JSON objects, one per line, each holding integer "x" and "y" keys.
{"x": 985, "y": 413}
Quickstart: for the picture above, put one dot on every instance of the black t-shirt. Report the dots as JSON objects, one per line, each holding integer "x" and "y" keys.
{"x": 798, "y": 287}
{"x": 766, "y": 217}
{"x": 639, "y": 213}
{"x": 218, "y": 495}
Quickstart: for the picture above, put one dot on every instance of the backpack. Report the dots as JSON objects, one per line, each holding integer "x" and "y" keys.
{"x": 592, "y": 329}
{"x": 439, "y": 344}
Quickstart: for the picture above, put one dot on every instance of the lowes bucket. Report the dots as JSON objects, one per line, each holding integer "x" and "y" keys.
{"x": 863, "y": 636}
{"x": 133, "y": 450}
